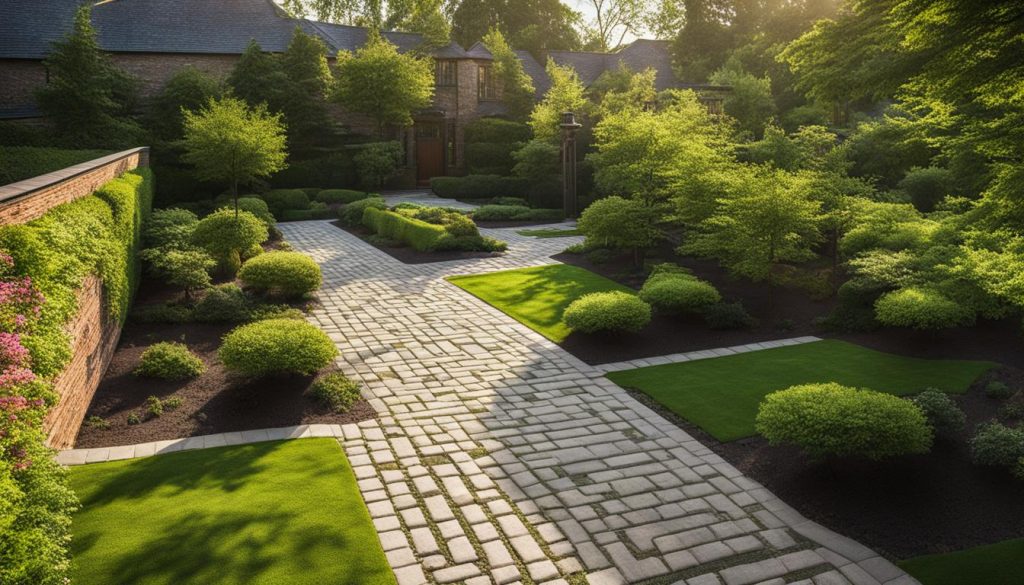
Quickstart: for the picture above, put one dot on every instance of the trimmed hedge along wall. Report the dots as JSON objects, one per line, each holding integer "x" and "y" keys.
{"x": 95, "y": 235}
{"x": 421, "y": 235}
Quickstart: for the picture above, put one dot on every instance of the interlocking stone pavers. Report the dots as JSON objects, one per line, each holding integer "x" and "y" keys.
{"x": 527, "y": 463}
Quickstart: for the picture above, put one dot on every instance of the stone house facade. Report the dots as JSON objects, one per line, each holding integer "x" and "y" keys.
{"x": 153, "y": 39}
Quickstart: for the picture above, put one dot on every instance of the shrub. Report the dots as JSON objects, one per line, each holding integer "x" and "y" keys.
{"x": 227, "y": 238}
{"x": 154, "y": 407}
{"x": 161, "y": 313}
{"x": 257, "y": 207}
{"x": 188, "y": 269}
{"x": 288, "y": 274}
{"x": 921, "y": 308}
{"x": 341, "y": 196}
{"x": 170, "y": 228}
{"x": 352, "y": 213}
{"x": 419, "y": 234}
{"x": 515, "y": 213}
{"x": 728, "y": 316}
{"x": 336, "y": 390}
{"x": 513, "y": 201}
{"x": 926, "y": 186}
{"x": 997, "y": 445}
{"x": 675, "y": 292}
{"x": 833, "y": 420}
{"x": 997, "y": 389}
{"x": 942, "y": 412}
{"x": 277, "y": 346}
{"x": 169, "y": 361}
{"x": 377, "y": 162}
{"x": 623, "y": 224}
{"x": 331, "y": 171}
{"x": 489, "y": 158}
{"x": 607, "y": 311}
{"x": 496, "y": 130}
{"x": 479, "y": 187}
{"x": 223, "y": 304}
{"x": 279, "y": 200}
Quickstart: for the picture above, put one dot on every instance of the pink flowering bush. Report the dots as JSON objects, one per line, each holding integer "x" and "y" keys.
{"x": 20, "y": 302}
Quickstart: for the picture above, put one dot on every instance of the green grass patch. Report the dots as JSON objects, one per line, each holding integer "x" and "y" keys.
{"x": 268, "y": 513}
{"x": 549, "y": 233}
{"x": 537, "y": 296}
{"x": 993, "y": 564}
{"x": 18, "y": 163}
{"x": 721, "y": 395}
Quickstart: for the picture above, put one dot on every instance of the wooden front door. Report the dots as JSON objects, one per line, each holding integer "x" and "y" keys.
{"x": 429, "y": 151}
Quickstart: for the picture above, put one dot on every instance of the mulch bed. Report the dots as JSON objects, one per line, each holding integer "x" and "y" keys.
{"x": 408, "y": 255}
{"x": 904, "y": 507}
{"x": 793, "y": 314}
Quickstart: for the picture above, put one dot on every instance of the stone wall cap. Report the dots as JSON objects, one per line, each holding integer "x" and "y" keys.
{"x": 13, "y": 191}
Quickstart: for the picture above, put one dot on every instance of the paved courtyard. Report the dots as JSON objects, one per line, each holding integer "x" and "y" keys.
{"x": 500, "y": 458}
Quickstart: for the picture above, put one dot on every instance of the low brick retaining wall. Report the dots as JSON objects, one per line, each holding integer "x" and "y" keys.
{"x": 94, "y": 335}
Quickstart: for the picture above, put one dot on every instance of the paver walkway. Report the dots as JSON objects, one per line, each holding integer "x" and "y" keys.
{"x": 500, "y": 458}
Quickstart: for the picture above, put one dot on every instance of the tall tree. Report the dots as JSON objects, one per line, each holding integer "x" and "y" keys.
{"x": 305, "y": 106}
{"x": 517, "y": 87}
{"x": 533, "y": 25}
{"x": 229, "y": 142}
{"x": 188, "y": 89}
{"x": 258, "y": 78}
{"x": 565, "y": 95}
{"x": 750, "y": 99}
{"x": 87, "y": 98}
{"x": 382, "y": 83}
{"x": 613, "y": 21}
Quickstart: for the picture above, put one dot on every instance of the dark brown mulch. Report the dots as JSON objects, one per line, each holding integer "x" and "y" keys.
{"x": 408, "y": 255}
{"x": 215, "y": 402}
{"x": 904, "y": 507}
{"x": 793, "y": 313}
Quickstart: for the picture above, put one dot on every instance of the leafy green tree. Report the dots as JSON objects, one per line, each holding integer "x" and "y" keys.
{"x": 565, "y": 95}
{"x": 767, "y": 221}
{"x": 258, "y": 78}
{"x": 613, "y": 21}
{"x": 88, "y": 100}
{"x": 533, "y": 25}
{"x": 750, "y": 99}
{"x": 382, "y": 83}
{"x": 653, "y": 155}
{"x": 305, "y": 108}
{"x": 229, "y": 142}
{"x": 188, "y": 89}
{"x": 517, "y": 87}
{"x": 425, "y": 17}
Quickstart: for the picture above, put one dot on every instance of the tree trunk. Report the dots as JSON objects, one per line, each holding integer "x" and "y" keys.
{"x": 234, "y": 195}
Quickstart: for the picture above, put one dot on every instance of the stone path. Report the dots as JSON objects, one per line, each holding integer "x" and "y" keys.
{"x": 500, "y": 458}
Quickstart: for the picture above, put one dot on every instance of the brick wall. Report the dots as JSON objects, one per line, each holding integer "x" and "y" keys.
{"x": 18, "y": 79}
{"x": 94, "y": 335}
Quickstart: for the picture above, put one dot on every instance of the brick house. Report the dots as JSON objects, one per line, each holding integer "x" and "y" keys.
{"x": 152, "y": 39}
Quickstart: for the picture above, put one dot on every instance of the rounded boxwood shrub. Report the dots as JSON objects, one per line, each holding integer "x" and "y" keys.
{"x": 336, "y": 390}
{"x": 607, "y": 311}
{"x": 830, "y": 419}
{"x": 257, "y": 207}
{"x": 352, "y": 213}
{"x": 226, "y": 237}
{"x": 728, "y": 316}
{"x": 921, "y": 308}
{"x": 997, "y": 445}
{"x": 169, "y": 360}
{"x": 170, "y": 228}
{"x": 942, "y": 412}
{"x": 277, "y": 346}
{"x": 675, "y": 292}
{"x": 288, "y": 274}
{"x": 997, "y": 389}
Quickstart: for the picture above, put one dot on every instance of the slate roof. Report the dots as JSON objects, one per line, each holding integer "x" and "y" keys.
{"x": 29, "y": 27}
{"x": 479, "y": 51}
{"x": 534, "y": 68}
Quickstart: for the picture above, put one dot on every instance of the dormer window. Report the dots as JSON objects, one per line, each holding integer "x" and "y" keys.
{"x": 487, "y": 86}
{"x": 447, "y": 73}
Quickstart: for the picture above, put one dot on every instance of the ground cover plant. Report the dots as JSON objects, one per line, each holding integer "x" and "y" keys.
{"x": 537, "y": 297}
{"x": 722, "y": 395}
{"x": 264, "y": 513}
{"x": 990, "y": 565}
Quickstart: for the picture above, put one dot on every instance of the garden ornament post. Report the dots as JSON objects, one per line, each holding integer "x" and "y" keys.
{"x": 569, "y": 128}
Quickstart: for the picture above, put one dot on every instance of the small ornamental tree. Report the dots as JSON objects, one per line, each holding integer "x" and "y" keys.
{"x": 382, "y": 83}
{"x": 188, "y": 89}
{"x": 565, "y": 95}
{"x": 377, "y": 162}
{"x": 517, "y": 87}
{"x": 619, "y": 223}
{"x": 229, "y": 142}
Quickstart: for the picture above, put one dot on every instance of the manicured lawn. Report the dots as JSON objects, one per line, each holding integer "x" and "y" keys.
{"x": 549, "y": 233}
{"x": 994, "y": 564}
{"x": 537, "y": 296}
{"x": 721, "y": 395}
{"x": 269, "y": 513}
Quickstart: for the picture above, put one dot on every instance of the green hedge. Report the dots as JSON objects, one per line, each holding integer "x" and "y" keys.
{"x": 307, "y": 214}
{"x": 342, "y": 196}
{"x": 98, "y": 234}
{"x": 497, "y": 130}
{"x": 18, "y": 163}
{"x": 421, "y": 235}
{"x": 489, "y": 158}
{"x": 479, "y": 187}
{"x": 333, "y": 171}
